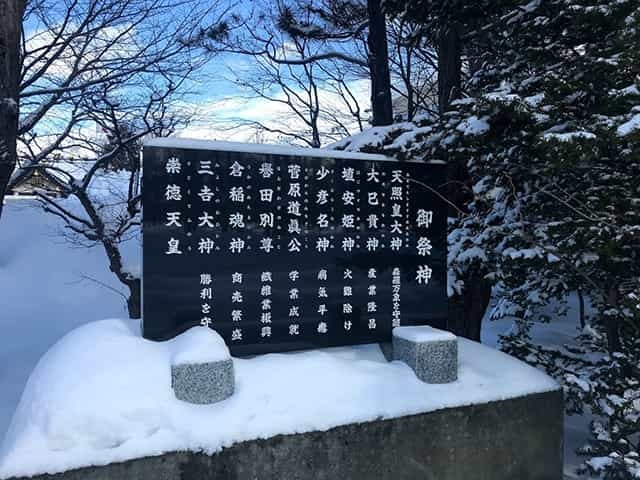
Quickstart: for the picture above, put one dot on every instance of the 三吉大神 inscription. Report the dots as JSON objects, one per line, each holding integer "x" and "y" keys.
{"x": 281, "y": 249}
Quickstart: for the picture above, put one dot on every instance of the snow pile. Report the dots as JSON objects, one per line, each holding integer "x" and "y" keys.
{"x": 48, "y": 287}
{"x": 374, "y": 138}
{"x": 630, "y": 126}
{"x": 262, "y": 148}
{"x": 422, "y": 334}
{"x": 198, "y": 345}
{"x": 568, "y": 136}
{"x": 473, "y": 126}
{"x": 102, "y": 394}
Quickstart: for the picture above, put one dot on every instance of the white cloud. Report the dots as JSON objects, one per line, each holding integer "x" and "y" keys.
{"x": 219, "y": 119}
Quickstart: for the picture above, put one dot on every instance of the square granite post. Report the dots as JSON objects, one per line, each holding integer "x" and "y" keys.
{"x": 201, "y": 366}
{"x": 431, "y": 353}
{"x": 203, "y": 383}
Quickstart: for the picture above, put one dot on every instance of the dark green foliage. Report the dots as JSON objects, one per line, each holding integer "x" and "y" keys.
{"x": 324, "y": 20}
{"x": 557, "y": 200}
{"x": 549, "y": 134}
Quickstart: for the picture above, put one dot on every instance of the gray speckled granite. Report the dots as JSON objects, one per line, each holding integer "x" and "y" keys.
{"x": 432, "y": 361}
{"x": 203, "y": 382}
{"x": 514, "y": 439}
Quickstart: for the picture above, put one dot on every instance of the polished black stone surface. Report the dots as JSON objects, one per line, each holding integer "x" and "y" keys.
{"x": 280, "y": 252}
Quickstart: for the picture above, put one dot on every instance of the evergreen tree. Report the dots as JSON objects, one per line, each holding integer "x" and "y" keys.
{"x": 550, "y": 135}
{"x": 448, "y": 25}
{"x": 556, "y": 172}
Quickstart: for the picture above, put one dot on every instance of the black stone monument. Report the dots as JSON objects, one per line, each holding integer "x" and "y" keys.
{"x": 281, "y": 248}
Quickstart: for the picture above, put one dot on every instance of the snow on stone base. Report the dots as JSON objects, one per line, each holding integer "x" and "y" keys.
{"x": 103, "y": 394}
{"x": 423, "y": 333}
{"x": 198, "y": 345}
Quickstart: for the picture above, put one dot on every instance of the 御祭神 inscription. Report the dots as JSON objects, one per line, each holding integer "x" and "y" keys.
{"x": 281, "y": 249}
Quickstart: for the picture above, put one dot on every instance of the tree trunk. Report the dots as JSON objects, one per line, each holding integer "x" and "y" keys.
{"x": 315, "y": 134}
{"x": 379, "y": 65}
{"x": 11, "y": 12}
{"x": 449, "y": 65}
{"x": 583, "y": 323}
{"x": 611, "y": 321}
{"x": 467, "y": 310}
{"x": 135, "y": 299}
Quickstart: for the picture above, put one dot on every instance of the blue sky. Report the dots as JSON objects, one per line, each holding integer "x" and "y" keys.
{"x": 213, "y": 97}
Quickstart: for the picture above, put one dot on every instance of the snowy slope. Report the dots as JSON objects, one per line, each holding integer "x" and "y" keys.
{"x": 42, "y": 293}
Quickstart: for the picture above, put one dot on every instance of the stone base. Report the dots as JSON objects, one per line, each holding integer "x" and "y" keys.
{"x": 387, "y": 350}
{"x": 203, "y": 383}
{"x": 515, "y": 439}
{"x": 431, "y": 353}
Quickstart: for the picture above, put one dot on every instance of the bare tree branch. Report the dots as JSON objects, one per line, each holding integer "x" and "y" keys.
{"x": 118, "y": 66}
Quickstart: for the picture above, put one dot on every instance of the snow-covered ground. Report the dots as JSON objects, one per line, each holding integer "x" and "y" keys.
{"x": 103, "y": 394}
{"x": 43, "y": 296}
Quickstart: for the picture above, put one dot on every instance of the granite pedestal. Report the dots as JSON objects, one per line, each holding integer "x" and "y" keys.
{"x": 515, "y": 439}
{"x": 203, "y": 383}
{"x": 431, "y": 353}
